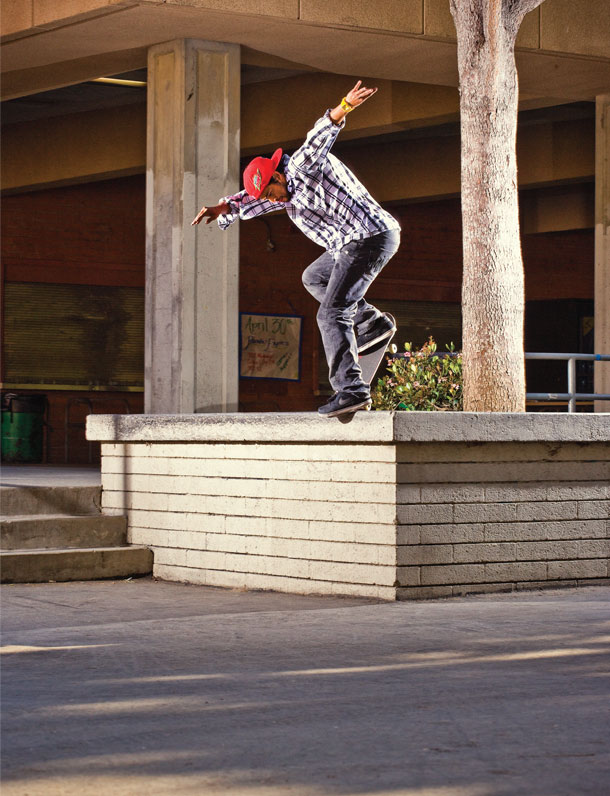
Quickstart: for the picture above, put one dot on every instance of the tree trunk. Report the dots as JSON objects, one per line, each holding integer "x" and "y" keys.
{"x": 493, "y": 286}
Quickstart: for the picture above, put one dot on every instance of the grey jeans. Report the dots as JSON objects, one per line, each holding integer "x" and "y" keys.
{"x": 339, "y": 282}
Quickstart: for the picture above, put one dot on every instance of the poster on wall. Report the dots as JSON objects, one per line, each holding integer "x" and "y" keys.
{"x": 270, "y": 346}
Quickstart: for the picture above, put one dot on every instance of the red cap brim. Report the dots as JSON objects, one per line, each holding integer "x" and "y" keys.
{"x": 276, "y": 157}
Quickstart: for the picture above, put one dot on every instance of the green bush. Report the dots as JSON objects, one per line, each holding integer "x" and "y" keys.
{"x": 421, "y": 381}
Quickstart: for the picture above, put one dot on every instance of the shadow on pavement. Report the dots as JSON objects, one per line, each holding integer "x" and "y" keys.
{"x": 502, "y": 694}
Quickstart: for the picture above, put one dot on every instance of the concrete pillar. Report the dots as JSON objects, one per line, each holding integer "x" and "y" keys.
{"x": 602, "y": 248}
{"x": 191, "y": 338}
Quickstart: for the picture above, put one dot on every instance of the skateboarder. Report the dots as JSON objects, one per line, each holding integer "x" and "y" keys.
{"x": 329, "y": 204}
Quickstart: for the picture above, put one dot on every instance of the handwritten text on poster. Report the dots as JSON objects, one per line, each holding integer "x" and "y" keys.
{"x": 270, "y": 346}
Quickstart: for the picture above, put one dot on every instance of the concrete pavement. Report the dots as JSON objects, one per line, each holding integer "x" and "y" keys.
{"x": 143, "y": 687}
{"x": 12, "y": 475}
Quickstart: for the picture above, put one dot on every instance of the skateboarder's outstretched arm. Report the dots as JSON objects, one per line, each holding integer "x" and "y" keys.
{"x": 312, "y": 154}
{"x": 230, "y": 208}
{"x": 307, "y": 159}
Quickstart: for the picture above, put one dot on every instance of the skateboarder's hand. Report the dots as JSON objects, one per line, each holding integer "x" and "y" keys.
{"x": 359, "y": 94}
{"x": 352, "y": 99}
{"x": 210, "y": 213}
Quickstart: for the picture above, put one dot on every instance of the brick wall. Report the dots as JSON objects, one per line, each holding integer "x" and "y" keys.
{"x": 403, "y": 520}
{"x": 283, "y": 517}
{"x": 91, "y": 234}
{"x": 501, "y": 517}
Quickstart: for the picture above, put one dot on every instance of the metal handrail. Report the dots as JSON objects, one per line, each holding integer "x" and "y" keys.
{"x": 571, "y": 396}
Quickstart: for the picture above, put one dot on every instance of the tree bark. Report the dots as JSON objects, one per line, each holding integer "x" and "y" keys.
{"x": 493, "y": 285}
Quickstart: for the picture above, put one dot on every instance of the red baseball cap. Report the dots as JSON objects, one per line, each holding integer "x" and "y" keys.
{"x": 258, "y": 173}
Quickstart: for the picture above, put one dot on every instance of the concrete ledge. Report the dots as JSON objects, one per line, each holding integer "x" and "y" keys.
{"x": 394, "y": 506}
{"x": 364, "y": 427}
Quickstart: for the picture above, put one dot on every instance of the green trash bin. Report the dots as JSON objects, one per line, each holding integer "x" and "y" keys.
{"x": 23, "y": 427}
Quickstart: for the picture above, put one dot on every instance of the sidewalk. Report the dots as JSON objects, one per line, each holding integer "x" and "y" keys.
{"x": 143, "y": 687}
{"x": 49, "y": 475}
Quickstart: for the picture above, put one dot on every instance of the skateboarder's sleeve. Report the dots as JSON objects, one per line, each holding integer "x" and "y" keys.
{"x": 313, "y": 152}
{"x": 243, "y": 206}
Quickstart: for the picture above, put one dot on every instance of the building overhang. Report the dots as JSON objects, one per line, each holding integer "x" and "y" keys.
{"x": 114, "y": 37}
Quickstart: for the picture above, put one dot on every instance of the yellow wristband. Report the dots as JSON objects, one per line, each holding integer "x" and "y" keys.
{"x": 347, "y": 106}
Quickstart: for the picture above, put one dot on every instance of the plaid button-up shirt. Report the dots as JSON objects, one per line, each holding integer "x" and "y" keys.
{"x": 327, "y": 202}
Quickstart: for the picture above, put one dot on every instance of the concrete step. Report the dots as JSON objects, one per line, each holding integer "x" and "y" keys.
{"x": 26, "y": 500}
{"x": 60, "y": 530}
{"x": 42, "y": 566}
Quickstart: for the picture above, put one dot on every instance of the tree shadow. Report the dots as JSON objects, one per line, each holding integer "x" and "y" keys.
{"x": 379, "y": 699}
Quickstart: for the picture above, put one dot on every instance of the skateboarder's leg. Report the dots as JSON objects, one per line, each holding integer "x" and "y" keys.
{"x": 315, "y": 276}
{"x": 355, "y": 267}
{"x": 367, "y": 319}
{"x": 369, "y": 322}
{"x": 315, "y": 279}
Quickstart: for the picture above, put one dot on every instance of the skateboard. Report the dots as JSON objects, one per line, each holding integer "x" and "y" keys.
{"x": 371, "y": 359}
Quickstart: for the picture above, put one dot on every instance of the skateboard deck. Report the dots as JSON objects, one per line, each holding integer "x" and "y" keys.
{"x": 371, "y": 359}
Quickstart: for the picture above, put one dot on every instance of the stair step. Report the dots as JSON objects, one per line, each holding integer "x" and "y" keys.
{"x": 42, "y": 566}
{"x": 60, "y": 530}
{"x": 27, "y": 500}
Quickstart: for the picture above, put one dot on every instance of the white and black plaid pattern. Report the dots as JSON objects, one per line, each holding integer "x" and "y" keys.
{"x": 327, "y": 202}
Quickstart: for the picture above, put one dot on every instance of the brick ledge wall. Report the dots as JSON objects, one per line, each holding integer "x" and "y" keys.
{"x": 407, "y": 506}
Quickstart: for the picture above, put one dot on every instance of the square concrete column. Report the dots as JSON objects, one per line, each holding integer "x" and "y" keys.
{"x": 193, "y": 123}
{"x": 602, "y": 248}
